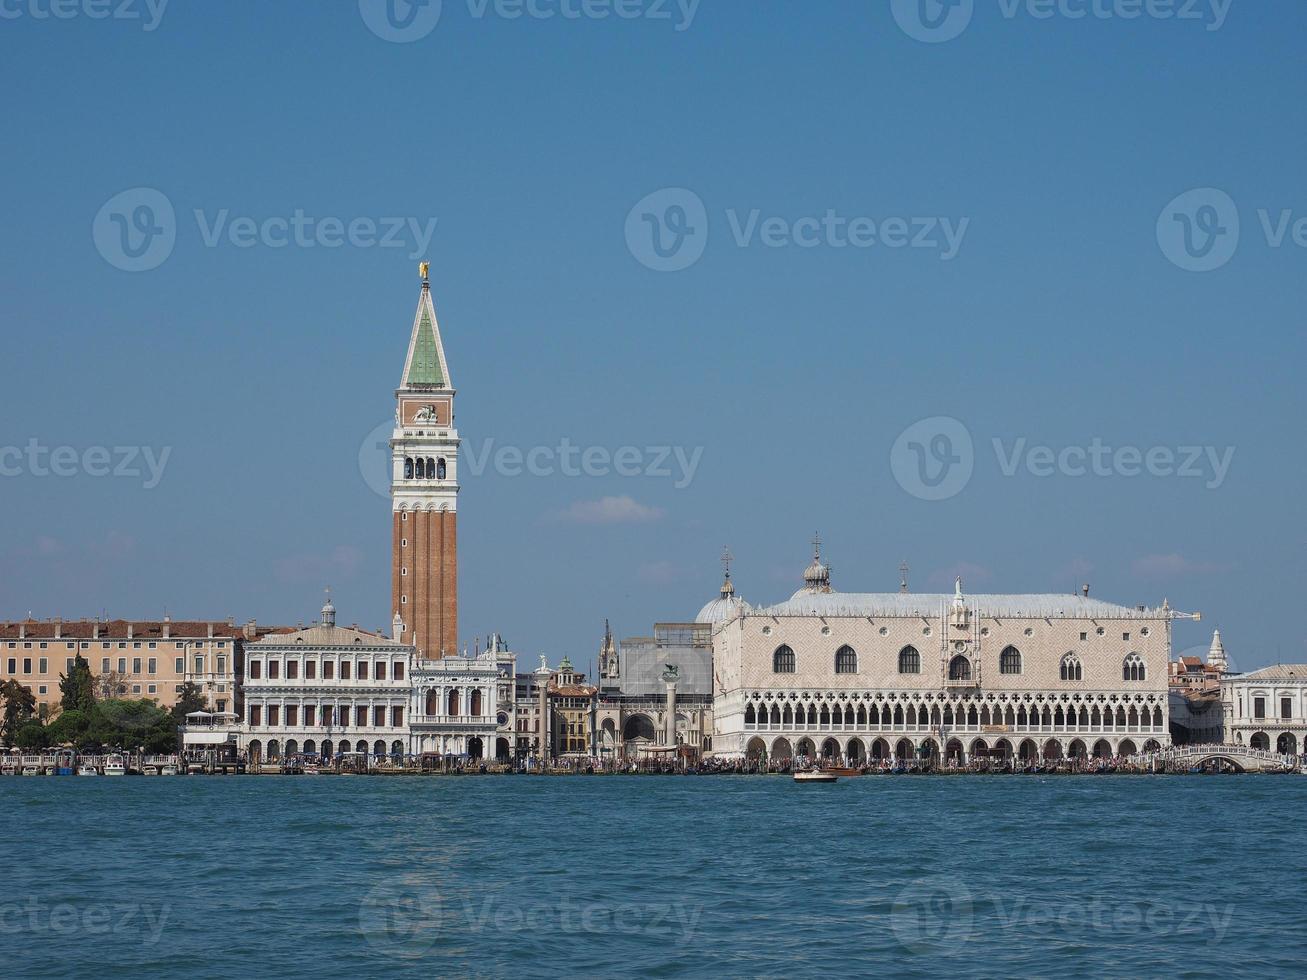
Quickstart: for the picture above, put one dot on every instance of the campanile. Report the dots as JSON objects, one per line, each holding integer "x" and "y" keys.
{"x": 424, "y": 492}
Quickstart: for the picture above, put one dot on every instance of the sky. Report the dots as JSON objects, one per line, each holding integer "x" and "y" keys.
{"x": 1010, "y": 290}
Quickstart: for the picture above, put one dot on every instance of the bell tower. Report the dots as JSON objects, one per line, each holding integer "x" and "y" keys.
{"x": 424, "y": 492}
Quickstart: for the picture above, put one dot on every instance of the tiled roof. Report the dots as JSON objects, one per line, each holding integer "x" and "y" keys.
{"x": 1052, "y": 606}
{"x": 327, "y": 636}
{"x": 1278, "y": 672}
{"x": 117, "y": 629}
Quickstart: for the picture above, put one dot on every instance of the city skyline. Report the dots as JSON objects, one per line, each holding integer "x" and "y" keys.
{"x": 249, "y": 379}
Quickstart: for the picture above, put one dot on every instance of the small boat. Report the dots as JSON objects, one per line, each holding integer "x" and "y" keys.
{"x": 115, "y": 766}
{"x": 842, "y": 771}
{"x": 33, "y": 771}
{"x": 85, "y": 770}
{"x": 815, "y": 776}
{"x": 168, "y": 769}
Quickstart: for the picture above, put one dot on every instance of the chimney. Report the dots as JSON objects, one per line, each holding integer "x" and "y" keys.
{"x": 131, "y": 631}
{"x": 95, "y": 630}
{"x": 58, "y": 627}
{"x": 1085, "y": 590}
{"x": 251, "y": 630}
{"x": 167, "y": 627}
{"x": 22, "y": 631}
{"x": 210, "y": 631}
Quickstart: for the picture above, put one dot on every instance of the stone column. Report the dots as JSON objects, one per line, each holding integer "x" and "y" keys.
{"x": 542, "y": 685}
{"x": 670, "y": 725}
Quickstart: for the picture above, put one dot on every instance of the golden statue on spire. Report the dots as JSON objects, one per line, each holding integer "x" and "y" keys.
{"x": 423, "y": 269}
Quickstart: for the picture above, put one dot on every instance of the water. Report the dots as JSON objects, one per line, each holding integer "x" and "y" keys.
{"x": 655, "y": 876}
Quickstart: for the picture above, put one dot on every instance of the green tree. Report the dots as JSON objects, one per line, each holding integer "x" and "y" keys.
{"x": 68, "y": 728}
{"x": 190, "y": 698}
{"x": 77, "y": 688}
{"x": 20, "y": 705}
{"x": 31, "y": 735}
{"x": 130, "y": 724}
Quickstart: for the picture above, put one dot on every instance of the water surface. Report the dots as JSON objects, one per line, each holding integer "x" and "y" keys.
{"x": 655, "y": 876}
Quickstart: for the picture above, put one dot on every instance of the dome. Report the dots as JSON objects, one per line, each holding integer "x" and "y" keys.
{"x": 816, "y": 577}
{"x": 726, "y": 606}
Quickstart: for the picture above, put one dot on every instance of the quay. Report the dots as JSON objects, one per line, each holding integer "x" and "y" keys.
{"x": 1207, "y": 759}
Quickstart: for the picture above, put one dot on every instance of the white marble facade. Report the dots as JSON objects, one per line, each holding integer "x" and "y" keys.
{"x": 865, "y": 675}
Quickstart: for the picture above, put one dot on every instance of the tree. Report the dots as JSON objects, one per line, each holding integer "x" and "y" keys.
{"x": 68, "y": 727}
{"x": 31, "y": 735}
{"x": 20, "y": 705}
{"x": 110, "y": 684}
{"x": 190, "y": 698}
{"x": 77, "y": 688}
{"x": 130, "y": 725}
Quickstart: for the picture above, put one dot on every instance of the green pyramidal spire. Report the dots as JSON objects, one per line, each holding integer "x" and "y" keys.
{"x": 426, "y": 365}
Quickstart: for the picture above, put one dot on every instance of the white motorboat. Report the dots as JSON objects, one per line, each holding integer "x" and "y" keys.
{"x": 168, "y": 770}
{"x": 33, "y": 771}
{"x": 115, "y": 766}
{"x": 85, "y": 770}
{"x": 815, "y": 776}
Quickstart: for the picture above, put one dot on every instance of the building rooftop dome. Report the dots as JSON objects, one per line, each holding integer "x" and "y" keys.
{"x": 816, "y": 577}
{"x": 727, "y": 605}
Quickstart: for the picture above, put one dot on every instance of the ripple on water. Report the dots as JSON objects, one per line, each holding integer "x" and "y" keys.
{"x": 659, "y": 877}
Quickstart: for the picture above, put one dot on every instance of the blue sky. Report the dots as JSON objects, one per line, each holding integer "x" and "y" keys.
{"x": 788, "y": 359}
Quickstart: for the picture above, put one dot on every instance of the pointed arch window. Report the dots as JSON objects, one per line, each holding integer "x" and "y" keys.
{"x": 1071, "y": 670}
{"x": 1009, "y": 661}
{"x": 408, "y": 467}
{"x": 440, "y": 468}
{"x": 782, "y": 661}
{"x": 1133, "y": 668}
{"x": 846, "y": 660}
{"x": 959, "y": 669}
{"x": 909, "y": 661}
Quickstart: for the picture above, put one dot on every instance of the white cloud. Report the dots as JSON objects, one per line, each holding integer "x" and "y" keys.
{"x": 341, "y": 563}
{"x": 1163, "y": 566}
{"x": 610, "y": 510}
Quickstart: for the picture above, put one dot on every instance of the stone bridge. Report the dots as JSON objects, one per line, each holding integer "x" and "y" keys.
{"x": 1241, "y": 758}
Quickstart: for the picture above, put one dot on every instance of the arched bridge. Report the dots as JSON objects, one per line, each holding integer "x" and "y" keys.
{"x": 1238, "y": 757}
